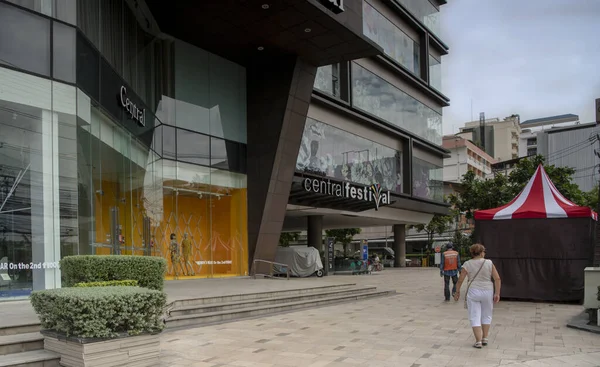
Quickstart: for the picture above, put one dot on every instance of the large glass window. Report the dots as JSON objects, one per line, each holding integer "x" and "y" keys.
{"x": 427, "y": 180}
{"x": 435, "y": 73}
{"x": 396, "y": 44}
{"x": 425, "y": 12}
{"x": 64, "y": 52}
{"x": 210, "y": 94}
{"x": 332, "y": 152}
{"x": 64, "y": 10}
{"x": 193, "y": 147}
{"x": 378, "y": 97}
{"x": 328, "y": 79}
{"x": 38, "y": 181}
{"x": 24, "y": 40}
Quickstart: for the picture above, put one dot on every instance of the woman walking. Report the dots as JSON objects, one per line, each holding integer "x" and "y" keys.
{"x": 483, "y": 290}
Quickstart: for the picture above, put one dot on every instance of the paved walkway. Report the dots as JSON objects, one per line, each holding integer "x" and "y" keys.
{"x": 414, "y": 328}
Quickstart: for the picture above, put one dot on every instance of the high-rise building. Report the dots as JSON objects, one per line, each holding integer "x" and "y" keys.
{"x": 127, "y": 123}
{"x": 497, "y": 137}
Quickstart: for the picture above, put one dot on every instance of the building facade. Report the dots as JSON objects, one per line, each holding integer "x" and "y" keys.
{"x": 531, "y": 128}
{"x": 132, "y": 127}
{"x": 465, "y": 157}
{"x": 497, "y": 137}
{"x": 573, "y": 146}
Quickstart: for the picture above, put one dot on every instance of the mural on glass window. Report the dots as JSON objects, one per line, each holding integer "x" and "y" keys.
{"x": 427, "y": 180}
{"x": 395, "y": 43}
{"x": 378, "y": 97}
{"x": 335, "y": 153}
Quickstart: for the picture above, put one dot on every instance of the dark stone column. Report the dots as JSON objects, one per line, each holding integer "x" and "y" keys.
{"x": 279, "y": 89}
{"x": 315, "y": 231}
{"x": 399, "y": 245}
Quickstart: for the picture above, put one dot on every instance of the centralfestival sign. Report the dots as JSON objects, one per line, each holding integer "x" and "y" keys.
{"x": 373, "y": 194}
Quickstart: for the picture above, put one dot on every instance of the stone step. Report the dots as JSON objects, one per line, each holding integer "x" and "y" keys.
{"x": 36, "y": 358}
{"x": 209, "y": 318}
{"x": 225, "y": 306}
{"x": 20, "y": 329}
{"x": 258, "y": 295}
{"x": 17, "y": 343}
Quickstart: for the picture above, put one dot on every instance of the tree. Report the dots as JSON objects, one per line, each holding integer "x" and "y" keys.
{"x": 591, "y": 198}
{"x": 438, "y": 224}
{"x": 343, "y": 236}
{"x": 286, "y": 237}
{"x": 494, "y": 192}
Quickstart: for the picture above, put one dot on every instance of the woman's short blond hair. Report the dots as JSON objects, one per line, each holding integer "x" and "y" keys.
{"x": 477, "y": 249}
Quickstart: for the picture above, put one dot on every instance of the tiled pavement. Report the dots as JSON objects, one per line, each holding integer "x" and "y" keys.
{"x": 414, "y": 328}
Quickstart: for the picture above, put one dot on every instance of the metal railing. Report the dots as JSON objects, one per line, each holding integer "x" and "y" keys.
{"x": 271, "y": 268}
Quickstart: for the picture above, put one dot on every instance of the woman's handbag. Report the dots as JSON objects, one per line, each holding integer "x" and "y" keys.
{"x": 469, "y": 285}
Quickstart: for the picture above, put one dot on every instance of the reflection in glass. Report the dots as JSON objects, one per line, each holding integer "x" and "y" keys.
{"x": 435, "y": 73}
{"x": 228, "y": 155}
{"x": 210, "y": 94}
{"x": 24, "y": 40}
{"x": 395, "y": 43}
{"x": 64, "y": 52}
{"x": 376, "y": 96}
{"x": 427, "y": 180}
{"x": 169, "y": 142}
{"x": 328, "y": 79}
{"x": 331, "y": 152}
{"x": 40, "y": 6}
{"x": 425, "y": 12}
{"x": 193, "y": 147}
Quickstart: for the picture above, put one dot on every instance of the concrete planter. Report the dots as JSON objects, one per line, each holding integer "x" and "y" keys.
{"x": 139, "y": 351}
{"x": 591, "y": 283}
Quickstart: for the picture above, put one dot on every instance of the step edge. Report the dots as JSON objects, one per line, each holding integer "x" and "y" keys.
{"x": 28, "y": 357}
{"x": 270, "y": 292}
{"x": 20, "y": 338}
{"x": 280, "y": 310}
{"x": 210, "y": 305}
{"x": 241, "y": 310}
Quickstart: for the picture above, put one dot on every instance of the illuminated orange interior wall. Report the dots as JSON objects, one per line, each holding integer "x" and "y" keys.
{"x": 217, "y": 229}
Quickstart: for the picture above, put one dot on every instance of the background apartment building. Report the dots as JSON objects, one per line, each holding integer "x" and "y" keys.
{"x": 531, "y": 128}
{"x": 499, "y": 138}
{"x": 465, "y": 156}
{"x": 573, "y": 146}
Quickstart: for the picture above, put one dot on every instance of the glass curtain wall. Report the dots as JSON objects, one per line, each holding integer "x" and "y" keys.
{"x": 335, "y": 153}
{"x": 426, "y": 12}
{"x": 435, "y": 73}
{"x": 177, "y": 187}
{"x": 380, "y": 98}
{"x": 38, "y": 150}
{"x": 396, "y": 44}
{"x": 427, "y": 180}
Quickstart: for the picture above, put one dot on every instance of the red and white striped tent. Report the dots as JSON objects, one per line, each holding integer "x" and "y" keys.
{"x": 539, "y": 199}
{"x": 540, "y": 242}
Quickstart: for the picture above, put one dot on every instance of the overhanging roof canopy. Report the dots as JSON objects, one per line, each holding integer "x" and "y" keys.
{"x": 235, "y": 29}
{"x": 539, "y": 199}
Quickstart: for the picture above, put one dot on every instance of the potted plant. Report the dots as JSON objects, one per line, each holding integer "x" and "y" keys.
{"x": 104, "y": 317}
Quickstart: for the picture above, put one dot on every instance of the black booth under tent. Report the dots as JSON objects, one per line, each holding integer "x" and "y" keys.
{"x": 540, "y": 242}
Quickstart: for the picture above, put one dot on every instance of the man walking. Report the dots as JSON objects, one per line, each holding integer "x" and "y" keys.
{"x": 450, "y": 268}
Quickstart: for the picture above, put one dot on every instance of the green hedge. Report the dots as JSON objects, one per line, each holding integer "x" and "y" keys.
{"x": 148, "y": 271}
{"x": 100, "y": 312}
{"x": 110, "y": 283}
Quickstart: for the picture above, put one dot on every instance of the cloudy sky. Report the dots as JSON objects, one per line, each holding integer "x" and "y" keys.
{"x": 537, "y": 58}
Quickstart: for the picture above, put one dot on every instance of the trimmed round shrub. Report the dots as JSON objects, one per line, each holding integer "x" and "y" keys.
{"x": 148, "y": 271}
{"x": 100, "y": 312}
{"x": 110, "y": 283}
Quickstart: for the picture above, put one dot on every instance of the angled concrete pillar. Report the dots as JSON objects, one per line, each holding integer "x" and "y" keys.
{"x": 279, "y": 89}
